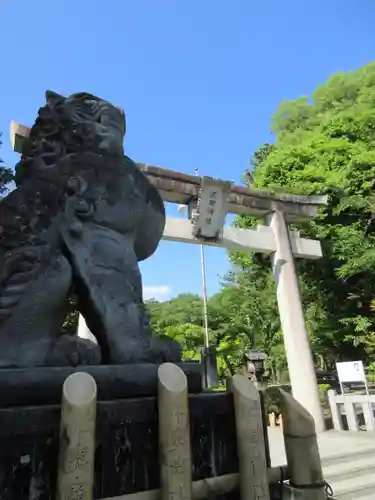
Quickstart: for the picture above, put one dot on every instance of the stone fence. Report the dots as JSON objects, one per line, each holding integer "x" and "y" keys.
{"x": 352, "y": 412}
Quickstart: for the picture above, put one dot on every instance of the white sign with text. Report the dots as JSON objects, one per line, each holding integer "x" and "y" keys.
{"x": 351, "y": 371}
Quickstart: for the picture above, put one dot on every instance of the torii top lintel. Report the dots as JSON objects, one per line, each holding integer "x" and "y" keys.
{"x": 177, "y": 187}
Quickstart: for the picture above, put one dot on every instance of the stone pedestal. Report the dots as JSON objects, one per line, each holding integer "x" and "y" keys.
{"x": 126, "y": 459}
{"x": 39, "y": 386}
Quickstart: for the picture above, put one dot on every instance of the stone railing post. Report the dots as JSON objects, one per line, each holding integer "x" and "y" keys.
{"x": 335, "y": 411}
{"x": 306, "y": 479}
{"x": 174, "y": 434}
{"x": 75, "y": 477}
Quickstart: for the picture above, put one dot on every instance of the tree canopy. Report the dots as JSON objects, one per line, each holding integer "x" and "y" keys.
{"x": 324, "y": 144}
{"x": 6, "y": 176}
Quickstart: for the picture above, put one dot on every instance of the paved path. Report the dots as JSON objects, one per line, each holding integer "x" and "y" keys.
{"x": 331, "y": 444}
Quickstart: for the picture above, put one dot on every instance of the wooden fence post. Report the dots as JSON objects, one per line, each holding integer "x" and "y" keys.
{"x": 302, "y": 452}
{"x": 77, "y": 438}
{"x": 250, "y": 440}
{"x": 174, "y": 434}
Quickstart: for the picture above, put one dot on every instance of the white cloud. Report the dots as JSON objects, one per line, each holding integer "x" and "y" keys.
{"x": 159, "y": 293}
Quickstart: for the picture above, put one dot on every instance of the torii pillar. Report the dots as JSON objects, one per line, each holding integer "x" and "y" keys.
{"x": 296, "y": 340}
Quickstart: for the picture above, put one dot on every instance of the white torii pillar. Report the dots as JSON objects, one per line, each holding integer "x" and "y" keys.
{"x": 296, "y": 340}
{"x": 83, "y": 330}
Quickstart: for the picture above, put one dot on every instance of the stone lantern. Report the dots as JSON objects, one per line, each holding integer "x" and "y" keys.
{"x": 254, "y": 364}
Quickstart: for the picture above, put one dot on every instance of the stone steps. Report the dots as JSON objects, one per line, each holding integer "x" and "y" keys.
{"x": 348, "y": 460}
{"x": 360, "y": 489}
{"x": 351, "y": 476}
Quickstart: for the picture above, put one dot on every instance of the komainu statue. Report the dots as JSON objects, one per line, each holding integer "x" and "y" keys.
{"x": 81, "y": 217}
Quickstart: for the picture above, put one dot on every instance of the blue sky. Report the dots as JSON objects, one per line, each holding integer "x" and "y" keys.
{"x": 199, "y": 81}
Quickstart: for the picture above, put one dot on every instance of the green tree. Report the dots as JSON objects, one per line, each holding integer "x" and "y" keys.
{"x": 6, "y": 177}
{"x": 183, "y": 309}
{"x": 325, "y": 144}
{"x": 239, "y": 318}
{"x": 70, "y": 324}
{"x": 181, "y": 318}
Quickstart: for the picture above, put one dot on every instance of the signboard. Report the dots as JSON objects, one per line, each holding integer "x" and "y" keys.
{"x": 211, "y": 209}
{"x": 351, "y": 371}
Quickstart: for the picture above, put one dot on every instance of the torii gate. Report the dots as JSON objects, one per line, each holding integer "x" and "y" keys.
{"x": 209, "y": 201}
